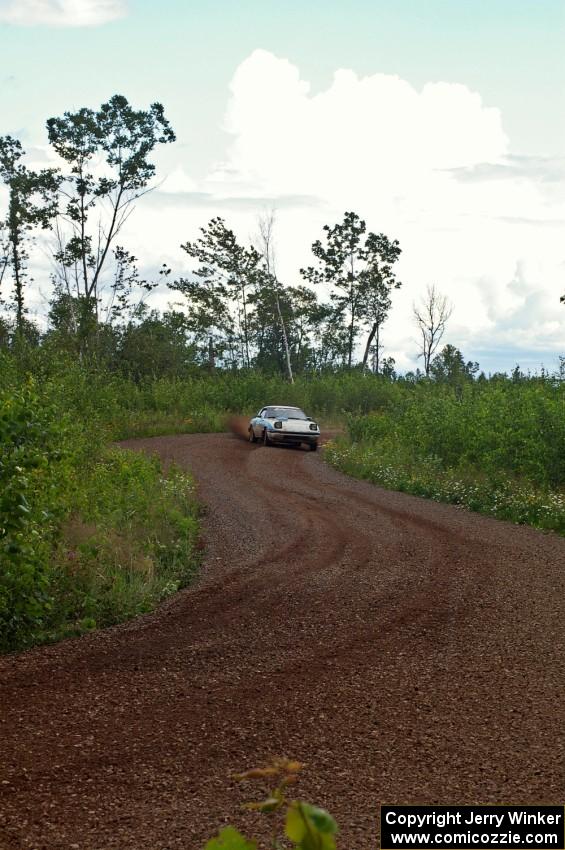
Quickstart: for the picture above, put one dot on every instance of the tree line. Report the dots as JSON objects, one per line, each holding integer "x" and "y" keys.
{"x": 234, "y": 311}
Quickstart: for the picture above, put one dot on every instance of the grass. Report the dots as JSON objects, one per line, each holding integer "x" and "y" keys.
{"x": 131, "y": 542}
{"x": 129, "y": 425}
{"x": 497, "y": 447}
{"x": 500, "y": 496}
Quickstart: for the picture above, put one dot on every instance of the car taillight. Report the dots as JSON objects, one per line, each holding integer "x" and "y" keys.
{"x": 313, "y": 426}
{"x": 278, "y": 424}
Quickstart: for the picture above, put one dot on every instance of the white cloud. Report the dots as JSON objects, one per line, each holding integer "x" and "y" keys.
{"x": 61, "y": 13}
{"x": 404, "y": 159}
{"x": 362, "y": 133}
{"x": 178, "y": 181}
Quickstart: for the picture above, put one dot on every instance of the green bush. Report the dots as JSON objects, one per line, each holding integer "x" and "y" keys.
{"x": 87, "y": 536}
{"x": 493, "y": 427}
{"x": 494, "y": 446}
{"x": 35, "y": 460}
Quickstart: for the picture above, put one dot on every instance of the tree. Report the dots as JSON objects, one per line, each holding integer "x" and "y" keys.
{"x": 5, "y": 331}
{"x": 413, "y": 377}
{"x": 388, "y": 370}
{"x": 268, "y": 306}
{"x": 449, "y": 366}
{"x": 32, "y": 203}
{"x": 431, "y": 318}
{"x": 219, "y": 291}
{"x": 331, "y": 338}
{"x": 380, "y": 284}
{"x": 108, "y": 168}
{"x": 72, "y": 323}
{"x": 153, "y": 345}
{"x": 306, "y": 321}
{"x": 209, "y": 320}
{"x": 354, "y": 266}
{"x": 125, "y": 282}
{"x": 4, "y": 256}
{"x": 62, "y": 322}
{"x": 266, "y": 247}
{"x": 69, "y": 325}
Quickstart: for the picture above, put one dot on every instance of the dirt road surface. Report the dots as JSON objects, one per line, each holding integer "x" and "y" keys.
{"x": 408, "y": 651}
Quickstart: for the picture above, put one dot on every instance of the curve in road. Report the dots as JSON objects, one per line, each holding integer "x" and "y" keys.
{"x": 407, "y": 651}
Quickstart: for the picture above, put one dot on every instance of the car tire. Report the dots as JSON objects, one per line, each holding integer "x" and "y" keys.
{"x": 313, "y": 447}
{"x": 252, "y": 437}
{"x": 266, "y": 441}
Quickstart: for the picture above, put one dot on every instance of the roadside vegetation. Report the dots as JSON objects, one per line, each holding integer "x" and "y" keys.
{"x": 497, "y": 447}
{"x": 89, "y": 535}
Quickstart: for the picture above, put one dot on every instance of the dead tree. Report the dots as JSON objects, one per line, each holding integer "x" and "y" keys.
{"x": 431, "y": 318}
{"x": 266, "y": 247}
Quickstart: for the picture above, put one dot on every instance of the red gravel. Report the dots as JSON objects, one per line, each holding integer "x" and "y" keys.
{"x": 409, "y": 652}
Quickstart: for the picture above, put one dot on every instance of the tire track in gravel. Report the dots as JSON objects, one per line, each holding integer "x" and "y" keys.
{"x": 408, "y": 651}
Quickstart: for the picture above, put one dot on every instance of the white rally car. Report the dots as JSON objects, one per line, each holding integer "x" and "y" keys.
{"x": 290, "y": 425}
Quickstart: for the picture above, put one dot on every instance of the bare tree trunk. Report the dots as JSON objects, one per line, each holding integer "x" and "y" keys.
{"x": 266, "y": 248}
{"x": 427, "y": 351}
{"x": 284, "y": 336}
{"x": 353, "y": 301}
{"x": 93, "y": 288}
{"x": 5, "y": 249}
{"x": 245, "y": 328}
{"x": 351, "y": 339}
{"x": 18, "y": 285}
{"x": 369, "y": 343}
{"x": 83, "y": 238}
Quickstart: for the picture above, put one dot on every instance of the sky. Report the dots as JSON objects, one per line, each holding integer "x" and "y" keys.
{"x": 441, "y": 122}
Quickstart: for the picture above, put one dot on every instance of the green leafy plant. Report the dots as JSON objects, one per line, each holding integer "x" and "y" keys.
{"x": 33, "y": 459}
{"x": 89, "y": 536}
{"x": 230, "y": 839}
{"x": 305, "y": 826}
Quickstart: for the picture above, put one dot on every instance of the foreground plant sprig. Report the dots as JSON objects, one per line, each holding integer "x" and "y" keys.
{"x": 306, "y": 826}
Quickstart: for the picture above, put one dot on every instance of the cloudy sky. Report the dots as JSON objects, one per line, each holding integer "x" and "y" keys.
{"x": 441, "y": 122}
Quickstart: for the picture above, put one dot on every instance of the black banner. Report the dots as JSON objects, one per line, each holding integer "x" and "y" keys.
{"x": 473, "y": 827}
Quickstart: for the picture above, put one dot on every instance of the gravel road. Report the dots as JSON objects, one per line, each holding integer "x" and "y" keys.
{"x": 407, "y": 651}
